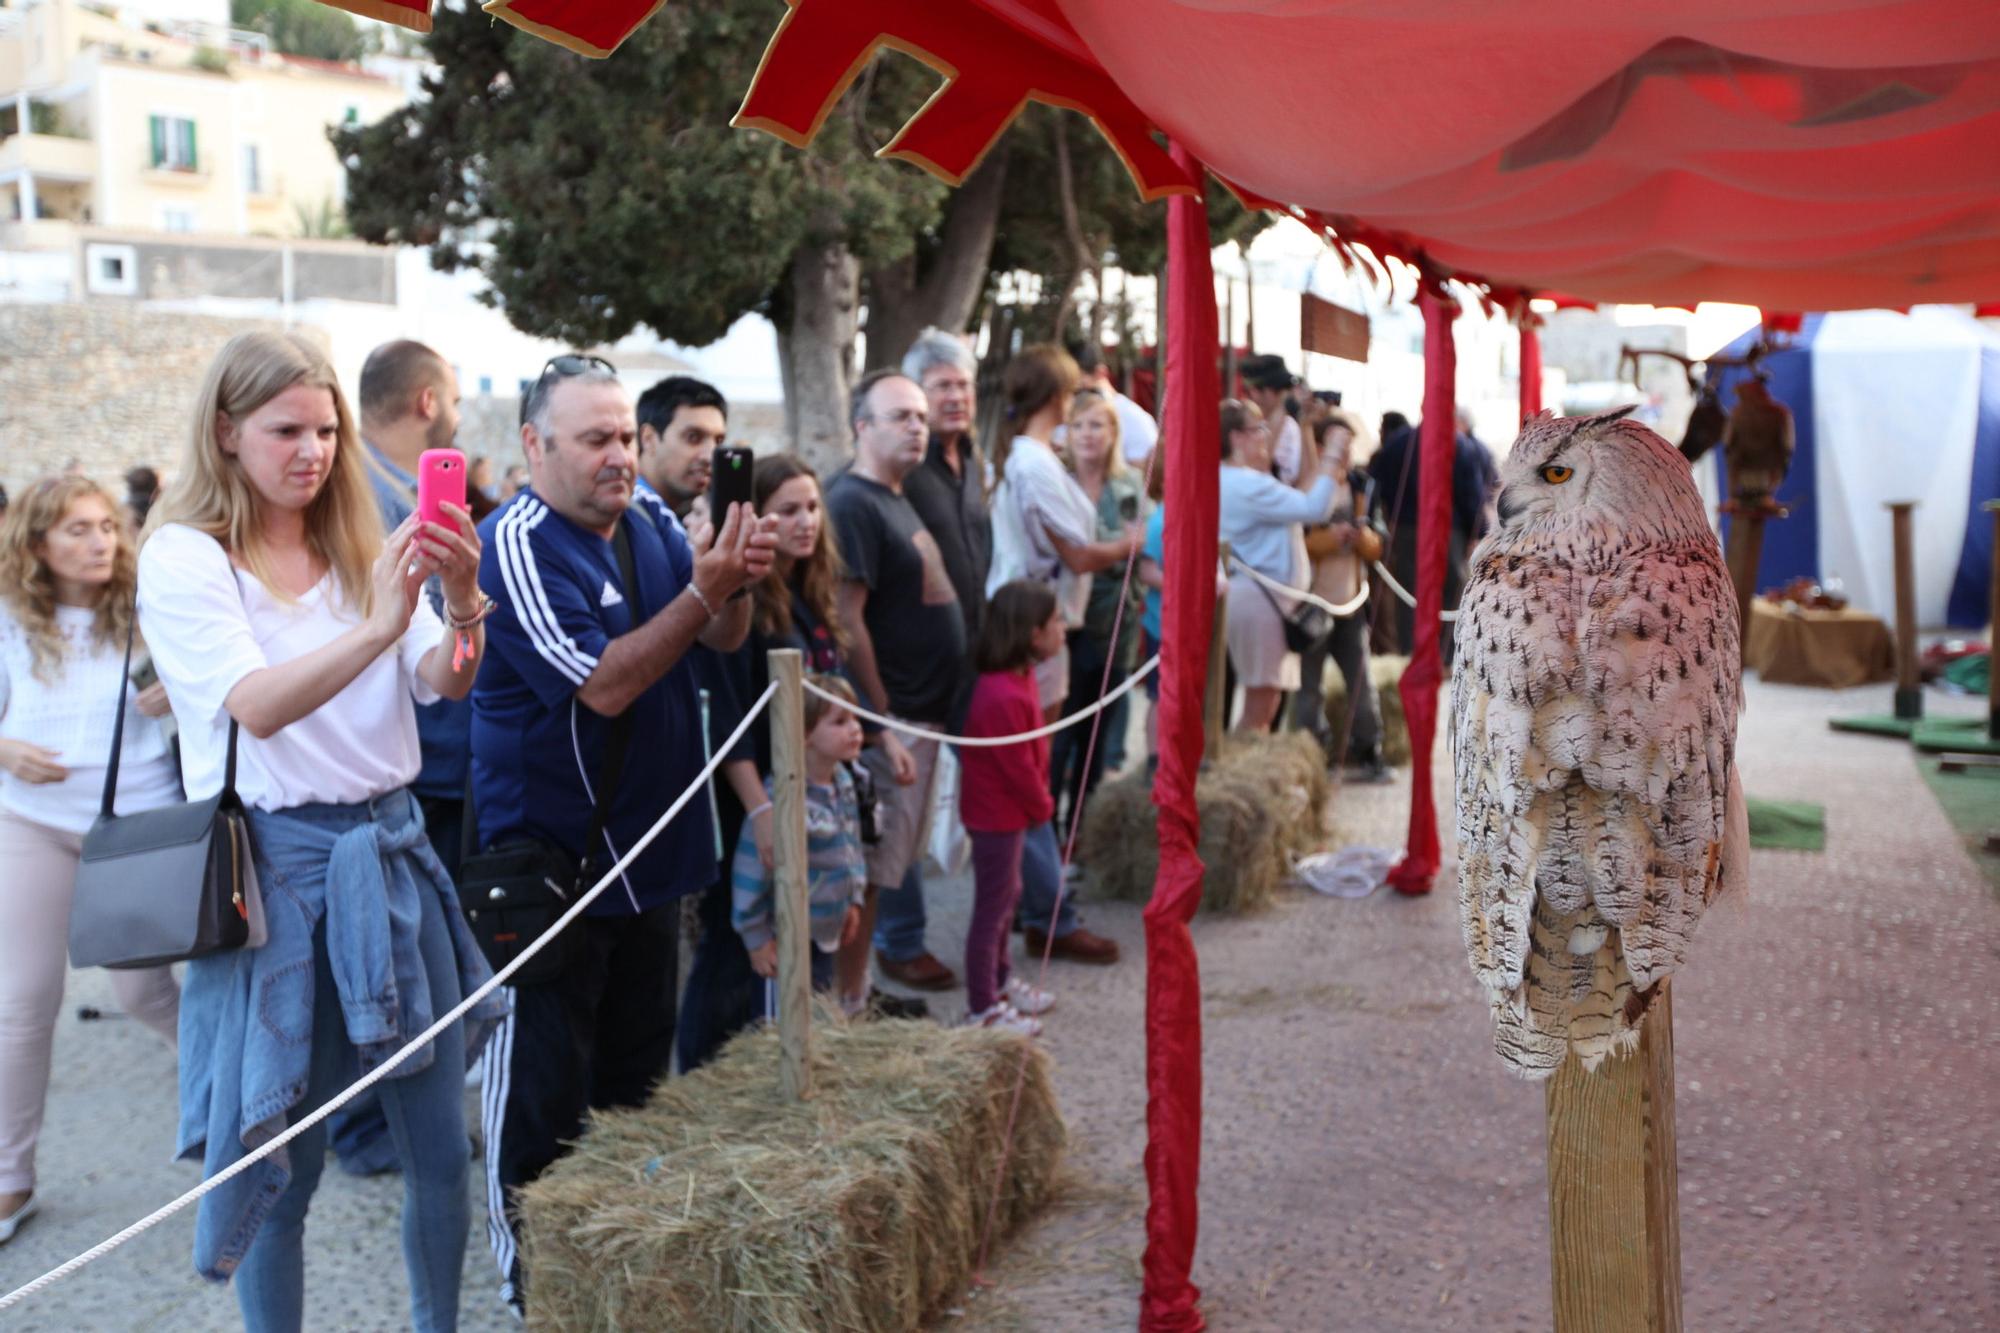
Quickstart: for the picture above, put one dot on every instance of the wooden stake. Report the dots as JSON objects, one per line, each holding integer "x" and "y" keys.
{"x": 1215, "y": 700}
{"x": 790, "y": 880}
{"x": 1745, "y": 553}
{"x": 1993, "y": 631}
{"x": 1614, "y": 1188}
{"x": 1909, "y": 689}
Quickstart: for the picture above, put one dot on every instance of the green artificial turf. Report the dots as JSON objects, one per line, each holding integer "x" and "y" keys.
{"x": 1790, "y": 826}
{"x": 1875, "y": 725}
{"x": 1971, "y": 801}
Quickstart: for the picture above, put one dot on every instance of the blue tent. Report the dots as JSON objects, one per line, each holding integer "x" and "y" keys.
{"x": 1886, "y": 407}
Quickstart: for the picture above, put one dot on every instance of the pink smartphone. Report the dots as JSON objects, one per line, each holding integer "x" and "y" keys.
{"x": 440, "y": 480}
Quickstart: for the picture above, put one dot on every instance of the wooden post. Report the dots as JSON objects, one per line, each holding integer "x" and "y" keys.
{"x": 1746, "y": 551}
{"x": 1909, "y": 688}
{"x": 1993, "y": 631}
{"x": 790, "y": 881}
{"x": 1614, "y": 1188}
{"x": 1215, "y": 700}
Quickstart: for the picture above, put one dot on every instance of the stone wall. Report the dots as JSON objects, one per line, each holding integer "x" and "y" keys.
{"x": 110, "y": 386}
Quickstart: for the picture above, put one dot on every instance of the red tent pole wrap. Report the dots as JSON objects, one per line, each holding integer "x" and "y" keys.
{"x": 1531, "y": 364}
{"x": 1418, "y": 866}
{"x": 1187, "y": 616}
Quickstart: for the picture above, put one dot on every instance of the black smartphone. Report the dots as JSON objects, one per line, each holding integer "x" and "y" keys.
{"x": 731, "y": 484}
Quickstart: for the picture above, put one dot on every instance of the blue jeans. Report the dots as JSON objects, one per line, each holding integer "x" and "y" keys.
{"x": 426, "y": 1119}
{"x": 900, "y": 920}
{"x": 1041, "y": 884}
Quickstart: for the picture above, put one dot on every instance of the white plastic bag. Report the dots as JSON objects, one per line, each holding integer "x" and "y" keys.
{"x": 949, "y": 848}
{"x": 1351, "y": 872}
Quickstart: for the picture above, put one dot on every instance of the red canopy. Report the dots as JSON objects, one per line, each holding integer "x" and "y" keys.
{"x": 1792, "y": 154}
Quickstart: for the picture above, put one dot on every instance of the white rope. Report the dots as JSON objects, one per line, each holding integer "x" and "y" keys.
{"x": 1342, "y": 611}
{"x": 382, "y": 1070}
{"x": 981, "y": 742}
{"x": 1404, "y": 593}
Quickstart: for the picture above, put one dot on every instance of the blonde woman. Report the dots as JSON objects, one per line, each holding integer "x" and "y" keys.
{"x": 66, "y": 588}
{"x": 1092, "y": 440}
{"x": 275, "y": 607}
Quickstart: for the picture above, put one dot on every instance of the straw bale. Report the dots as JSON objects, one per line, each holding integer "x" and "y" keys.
{"x": 718, "y": 1206}
{"x": 1385, "y": 672}
{"x": 1261, "y": 803}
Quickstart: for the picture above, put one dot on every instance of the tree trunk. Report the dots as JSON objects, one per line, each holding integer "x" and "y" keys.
{"x": 901, "y": 304}
{"x": 819, "y": 352}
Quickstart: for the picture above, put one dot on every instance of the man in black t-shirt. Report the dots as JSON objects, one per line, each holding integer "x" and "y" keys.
{"x": 907, "y": 648}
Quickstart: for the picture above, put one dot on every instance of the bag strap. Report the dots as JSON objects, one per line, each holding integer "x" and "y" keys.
{"x": 118, "y": 722}
{"x": 612, "y": 767}
{"x": 105, "y": 801}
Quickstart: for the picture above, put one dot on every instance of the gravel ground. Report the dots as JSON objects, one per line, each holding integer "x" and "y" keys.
{"x": 1366, "y": 1164}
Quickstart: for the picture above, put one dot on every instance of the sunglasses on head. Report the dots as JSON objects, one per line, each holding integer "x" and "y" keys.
{"x": 574, "y": 363}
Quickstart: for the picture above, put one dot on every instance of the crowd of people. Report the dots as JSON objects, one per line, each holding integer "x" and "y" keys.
{"x": 544, "y": 670}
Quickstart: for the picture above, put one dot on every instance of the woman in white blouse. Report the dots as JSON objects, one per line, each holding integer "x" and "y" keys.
{"x": 274, "y": 605}
{"x": 66, "y": 591}
{"x": 1044, "y": 526}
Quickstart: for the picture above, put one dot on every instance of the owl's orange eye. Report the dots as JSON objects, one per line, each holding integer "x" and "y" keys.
{"x": 1555, "y": 474}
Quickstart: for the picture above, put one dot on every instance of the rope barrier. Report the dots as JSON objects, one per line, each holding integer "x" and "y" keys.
{"x": 1339, "y": 612}
{"x": 1124, "y": 687}
{"x": 382, "y": 1070}
{"x": 1403, "y": 594}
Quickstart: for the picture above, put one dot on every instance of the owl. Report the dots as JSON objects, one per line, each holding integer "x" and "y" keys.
{"x": 1595, "y": 694}
{"x": 1757, "y": 444}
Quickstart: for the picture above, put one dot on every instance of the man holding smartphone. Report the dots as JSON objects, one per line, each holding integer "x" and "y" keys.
{"x": 575, "y": 649}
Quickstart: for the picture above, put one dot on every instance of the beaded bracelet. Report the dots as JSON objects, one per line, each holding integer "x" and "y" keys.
{"x": 463, "y": 649}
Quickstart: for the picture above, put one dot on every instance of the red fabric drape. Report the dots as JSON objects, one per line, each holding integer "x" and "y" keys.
{"x": 1414, "y": 872}
{"x": 1187, "y": 618}
{"x": 1531, "y": 365}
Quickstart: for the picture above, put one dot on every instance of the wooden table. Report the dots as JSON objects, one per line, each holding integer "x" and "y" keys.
{"x": 1835, "y": 649}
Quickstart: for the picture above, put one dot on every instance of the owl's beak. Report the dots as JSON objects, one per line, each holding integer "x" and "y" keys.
{"x": 1509, "y": 505}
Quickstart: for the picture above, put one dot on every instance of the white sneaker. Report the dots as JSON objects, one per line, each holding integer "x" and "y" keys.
{"x": 1027, "y": 999}
{"x": 1005, "y": 1017}
{"x": 12, "y": 1223}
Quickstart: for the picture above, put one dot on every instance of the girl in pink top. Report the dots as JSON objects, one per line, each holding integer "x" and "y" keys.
{"x": 1004, "y": 792}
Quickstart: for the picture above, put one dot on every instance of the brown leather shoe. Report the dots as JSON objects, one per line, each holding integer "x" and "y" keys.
{"x": 920, "y": 973}
{"x": 1079, "y": 946}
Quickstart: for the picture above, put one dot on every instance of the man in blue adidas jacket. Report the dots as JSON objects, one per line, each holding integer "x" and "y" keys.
{"x": 569, "y": 647}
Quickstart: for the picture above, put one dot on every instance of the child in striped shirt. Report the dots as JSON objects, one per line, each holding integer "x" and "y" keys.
{"x": 838, "y": 873}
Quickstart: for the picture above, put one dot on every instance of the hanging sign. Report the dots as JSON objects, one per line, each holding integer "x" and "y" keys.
{"x": 1332, "y": 330}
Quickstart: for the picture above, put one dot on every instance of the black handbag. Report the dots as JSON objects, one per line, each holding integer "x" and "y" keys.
{"x": 511, "y": 894}
{"x": 1306, "y": 627}
{"x": 166, "y": 885}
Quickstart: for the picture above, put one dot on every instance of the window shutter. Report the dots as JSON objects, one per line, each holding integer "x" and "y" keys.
{"x": 159, "y": 126}
{"x": 194, "y": 158}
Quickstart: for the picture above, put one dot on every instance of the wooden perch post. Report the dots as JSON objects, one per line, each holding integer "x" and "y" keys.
{"x": 1909, "y": 689}
{"x": 1614, "y": 1187}
{"x": 788, "y": 811}
{"x": 1745, "y": 552}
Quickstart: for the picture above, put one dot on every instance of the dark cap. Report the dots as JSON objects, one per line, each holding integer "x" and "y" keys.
{"x": 1268, "y": 371}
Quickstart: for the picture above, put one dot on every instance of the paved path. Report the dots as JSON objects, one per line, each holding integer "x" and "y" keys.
{"x": 1367, "y": 1165}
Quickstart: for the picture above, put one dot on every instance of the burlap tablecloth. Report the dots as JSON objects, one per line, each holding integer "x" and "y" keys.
{"x": 1831, "y": 648}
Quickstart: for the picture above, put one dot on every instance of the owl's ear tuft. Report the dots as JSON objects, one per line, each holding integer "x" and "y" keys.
{"x": 1606, "y": 418}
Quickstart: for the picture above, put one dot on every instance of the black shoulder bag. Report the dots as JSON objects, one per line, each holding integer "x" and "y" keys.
{"x": 513, "y": 893}
{"x": 165, "y": 885}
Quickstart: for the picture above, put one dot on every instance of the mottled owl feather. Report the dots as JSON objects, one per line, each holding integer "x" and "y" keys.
{"x": 1596, "y": 691}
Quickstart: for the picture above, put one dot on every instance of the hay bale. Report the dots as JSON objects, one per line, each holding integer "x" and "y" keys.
{"x": 1261, "y": 803}
{"x": 1385, "y": 672}
{"x": 720, "y": 1206}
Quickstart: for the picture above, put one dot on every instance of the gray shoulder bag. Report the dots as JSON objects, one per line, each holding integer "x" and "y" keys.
{"x": 161, "y": 886}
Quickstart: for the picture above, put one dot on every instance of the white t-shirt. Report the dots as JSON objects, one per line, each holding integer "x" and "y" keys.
{"x": 1288, "y": 451}
{"x": 1038, "y": 497}
{"x": 1138, "y": 433}
{"x": 73, "y": 715}
{"x": 210, "y": 624}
